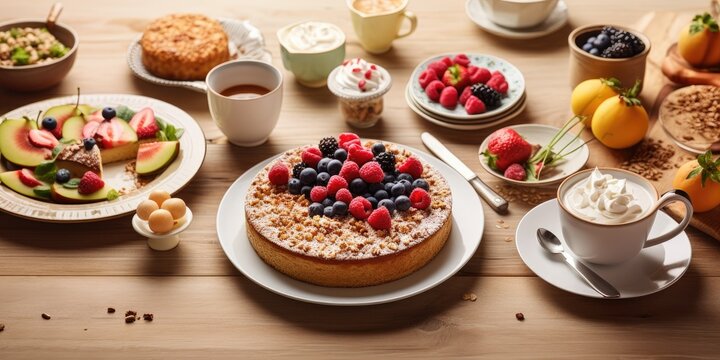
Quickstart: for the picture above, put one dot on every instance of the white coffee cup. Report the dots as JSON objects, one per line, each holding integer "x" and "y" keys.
{"x": 245, "y": 122}
{"x": 615, "y": 243}
{"x": 517, "y": 14}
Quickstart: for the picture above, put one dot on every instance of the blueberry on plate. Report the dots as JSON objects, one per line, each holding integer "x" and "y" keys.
{"x": 421, "y": 183}
{"x": 375, "y": 187}
{"x": 108, "y": 113}
{"x": 294, "y": 186}
{"x": 339, "y": 208}
{"x": 308, "y": 176}
{"x": 389, "y": 186}
{"x": 402, "y": 203}
{"x": 322, "y": 179}
{"x": 389, "y": 178}
{"x": 340, "y": 154}
{"x": 327, "y": 202}
{"x": 381, "y": 195}
{"x": 62, "y": 176}
{"x": 89, "y": 143}
{"x": 358, "y": 186}
{"x": 388, "y": 204}
{"x": 315, "y": 209}
{"x": 378, "y": 148}
{"x": 49, "y": 123}
{"x": 305, "y": 190}
{"x": 373, "y": 201}
{"x": 322, "y": 165}
{"x": 334, "y": 166}
{"x": 405, "y": 176}
{"x": 328, "y": 211}
{"x": 397, "y": 189}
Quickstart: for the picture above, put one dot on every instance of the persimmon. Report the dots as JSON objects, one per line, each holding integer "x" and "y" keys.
{"x": 700, "y": 179}
{"x": 699, "y": 42}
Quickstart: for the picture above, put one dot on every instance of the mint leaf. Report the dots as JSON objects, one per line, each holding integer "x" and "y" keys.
{"x": 72, "y": 183}
{"x": 42, "y": 191}
{"x": 124, "y": 112}
{"x": 45, "y": 172}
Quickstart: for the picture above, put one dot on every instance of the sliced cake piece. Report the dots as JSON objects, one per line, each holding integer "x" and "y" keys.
{"x": 79, "y": 160}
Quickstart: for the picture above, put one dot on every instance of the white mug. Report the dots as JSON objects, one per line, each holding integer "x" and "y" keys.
{"x": 616, "y": 243}
{"x": 245, "y": 122}
{"x": 517, "y": 14}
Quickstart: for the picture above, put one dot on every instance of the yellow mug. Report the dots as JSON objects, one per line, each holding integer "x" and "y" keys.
{"x": 377, "y": 22}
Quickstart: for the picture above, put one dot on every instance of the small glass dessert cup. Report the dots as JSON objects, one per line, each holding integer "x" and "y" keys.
{"x": 360, "y": 87}
{"x": 166, "y": 241}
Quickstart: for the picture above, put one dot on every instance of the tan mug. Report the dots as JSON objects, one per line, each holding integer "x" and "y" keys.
{"x": 377, "y": 23}
{"x": 603, "y": 243}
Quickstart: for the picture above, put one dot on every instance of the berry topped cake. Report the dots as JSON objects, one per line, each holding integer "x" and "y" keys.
{"x": 347, "y": 213}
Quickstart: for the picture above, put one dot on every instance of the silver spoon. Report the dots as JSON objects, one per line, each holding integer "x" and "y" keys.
{"x": 551, "y": 243}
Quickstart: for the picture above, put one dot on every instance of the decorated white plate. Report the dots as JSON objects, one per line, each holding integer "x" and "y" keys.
{"x": 245, "y": 42}
{"x": 175, "y": 177}
{"x": 513, "y": 76}
{"x": 467, "y": 213}
{"x": 541, "y": 135}
{"x": 440, "y": 121}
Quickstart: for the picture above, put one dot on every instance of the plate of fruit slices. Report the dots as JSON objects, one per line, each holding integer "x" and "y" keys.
{"x": 495, "y": 82}
{"x": 534, "y": 155}
{"x": 94, "y": 157}
{"x": 464, "y": 240}
{"x": 453, "y": 124}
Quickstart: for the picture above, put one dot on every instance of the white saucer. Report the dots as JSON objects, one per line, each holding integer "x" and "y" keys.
{"x": 555, "y": 21}
{"x": 468, "y": 225}
{"x": 654, "y": 269}
{"x": 476, "y": 126}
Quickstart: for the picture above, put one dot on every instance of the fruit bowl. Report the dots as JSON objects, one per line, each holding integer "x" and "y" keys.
{"x": 585, "y": 66}
{"x": 542, "y": 134}
{"x": 45, "y": 75}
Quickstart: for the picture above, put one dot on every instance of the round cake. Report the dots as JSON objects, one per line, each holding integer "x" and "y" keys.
{"x": 320, "y": 222}
{"x": 184, "y": 46}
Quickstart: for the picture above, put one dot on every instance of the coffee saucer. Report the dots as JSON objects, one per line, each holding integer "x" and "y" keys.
{"x": 653, "y": 270}
{"x": 557, "y": 19}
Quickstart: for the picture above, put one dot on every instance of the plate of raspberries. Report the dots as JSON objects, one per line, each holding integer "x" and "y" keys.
{"x": 466, "y": 86}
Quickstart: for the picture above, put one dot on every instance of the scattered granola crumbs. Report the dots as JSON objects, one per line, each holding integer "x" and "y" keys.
{"x": 469, "y": 297}
{"x": 650, "y": 159}
{"x": 508, "y": 239}
{"x": 129, "y": 319}
{"x": 2, "y": 327}
{"x": 520, "y": 316}
{"x": 530, "y": 196}
{"x": 45, "y": 316}
{"x": 130, "y": 313}
{"x": 111, "y": 310}
{"x": 148, "y": 317}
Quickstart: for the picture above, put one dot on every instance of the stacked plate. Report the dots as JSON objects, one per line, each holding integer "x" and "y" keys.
{"x": 511, "y": 106}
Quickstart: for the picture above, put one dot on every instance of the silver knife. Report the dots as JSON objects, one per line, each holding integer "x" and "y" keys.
{"x": 497, "y": 202}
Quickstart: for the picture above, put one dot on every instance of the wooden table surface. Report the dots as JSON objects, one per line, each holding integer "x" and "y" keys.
{"x": 205, "y": 308}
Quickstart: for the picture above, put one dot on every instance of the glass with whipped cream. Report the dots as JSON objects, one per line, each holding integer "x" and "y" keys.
{"x": 606, "y": 214}
{"x": 360, "y": 87}
{"x": 311, "y": 50}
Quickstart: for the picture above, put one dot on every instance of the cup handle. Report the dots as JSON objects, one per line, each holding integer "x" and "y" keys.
{"x": 413, "y": 23}
{"x": 715, "y": 8}
{"x": 668, "y": 197}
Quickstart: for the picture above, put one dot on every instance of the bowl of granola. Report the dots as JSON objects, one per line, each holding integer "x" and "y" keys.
{"x": 33, "y": 56}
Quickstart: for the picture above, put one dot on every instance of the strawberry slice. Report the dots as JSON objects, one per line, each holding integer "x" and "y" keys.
{"x": 95, "y": 117}
{"x": 107, "y": 135}
{"x": 28, "y": 178}
{"x": 43, "y": 139}
{"x": 90, "y": 129}
{"x": 144, "y": 123}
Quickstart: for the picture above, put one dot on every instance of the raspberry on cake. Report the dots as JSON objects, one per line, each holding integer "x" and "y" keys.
{"x": 352, "y": 232}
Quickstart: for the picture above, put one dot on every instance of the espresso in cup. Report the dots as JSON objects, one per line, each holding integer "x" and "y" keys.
{"x": 606, "y": 214}
{"x": 245, "y": 97}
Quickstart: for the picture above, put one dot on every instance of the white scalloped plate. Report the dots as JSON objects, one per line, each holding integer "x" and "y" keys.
{"x": 174, "y": 178}
{"x": 245, "y": 41}
{"x": 468, "y": 224}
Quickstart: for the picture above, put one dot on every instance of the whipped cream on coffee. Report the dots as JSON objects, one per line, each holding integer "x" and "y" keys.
{"x": 313, "y": 36}
{"x": 604, "y": 199}
{"x": 360, "y": 75}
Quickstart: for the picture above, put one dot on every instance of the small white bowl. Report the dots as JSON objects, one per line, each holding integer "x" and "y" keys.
{"x": 162, "y": 242}
{"x": 542, "y": 134}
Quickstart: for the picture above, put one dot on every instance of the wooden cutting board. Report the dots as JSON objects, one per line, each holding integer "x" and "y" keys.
{"x": 662, "y": 28}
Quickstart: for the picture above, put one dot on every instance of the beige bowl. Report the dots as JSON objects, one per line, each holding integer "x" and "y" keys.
{"x": 584, "y": 66}
{"x": 40, "y": 76}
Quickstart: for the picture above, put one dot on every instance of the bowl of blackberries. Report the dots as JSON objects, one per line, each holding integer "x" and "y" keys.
{"x": 605, "y": 51}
